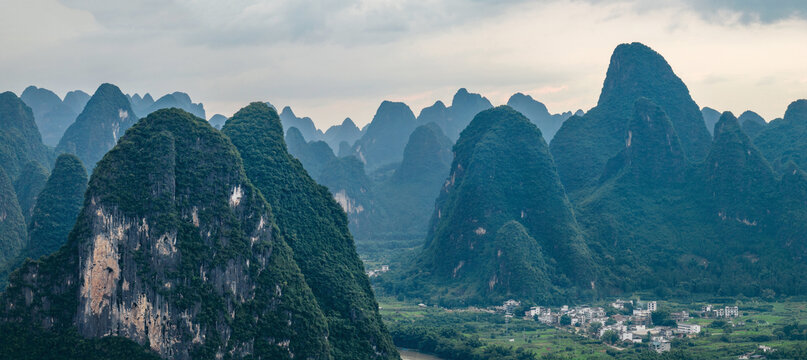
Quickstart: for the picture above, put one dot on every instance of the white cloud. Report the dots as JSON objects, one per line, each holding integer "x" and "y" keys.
{"x": 332, "y": 59}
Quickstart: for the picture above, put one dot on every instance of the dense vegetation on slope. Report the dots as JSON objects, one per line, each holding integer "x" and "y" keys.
{"x": 105, "y": 118}
{"x": 20, "y": 141}
{"x": 502, "y": 172}
{"x": 316, "y": 228}
{"x": 347, "y": 132}
{"x": 28, "y": 185}
{"x": 584, "y": 144}
{"x": 784, "y": 140}
{"x": 13, "y": 235}
{"x": 175, "y": 250}
{"x": 57, "y": 207}
{"x": 752, "y": 123}
{"x": 715, "y": 227}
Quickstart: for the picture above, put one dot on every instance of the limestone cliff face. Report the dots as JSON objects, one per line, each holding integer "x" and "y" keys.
{"x": 177, "y": 251}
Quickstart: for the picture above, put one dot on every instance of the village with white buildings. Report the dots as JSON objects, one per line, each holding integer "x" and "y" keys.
{"x": 629, "y": 322}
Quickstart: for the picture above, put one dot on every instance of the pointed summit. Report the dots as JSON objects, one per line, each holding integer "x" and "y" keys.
{"x": 106, "y": 117}
{"x": 502, "y": 171}
{"x": 385, "y": 138}
{"x": 538, "y": 114}
{"x": 347, "y": 131}
{"x": 785, "y": 140}
{"x": 314, "y": 155}
{"x": 740, "y": 180}
{"x": 304, "y": 124}
{"x": 217, "y": 121}
{"x": 652, "y": 150}
{"x": 428, "y": 151}
{"x": 57, "y": 207}
{"x": 76, "y": 100}
{"x": 751, "y": 123}
{"x": 584, "y": 144}
{"x": 28, "y": 185}
{"x": 20, "y": 141}
{"x": 406, "y": 199}
{"x": 176, "y": 250}
{"x": 13, "y": 236}
{"x": 317, "y": 231}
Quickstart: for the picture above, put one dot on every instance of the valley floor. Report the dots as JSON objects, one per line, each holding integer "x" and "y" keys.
{"x": 474, "y": 333}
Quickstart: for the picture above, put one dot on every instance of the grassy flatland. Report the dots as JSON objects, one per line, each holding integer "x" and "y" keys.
{"x": 474, "y": 333}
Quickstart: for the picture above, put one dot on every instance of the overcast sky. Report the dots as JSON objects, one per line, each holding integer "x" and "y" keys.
{"x": 331, "y": 59}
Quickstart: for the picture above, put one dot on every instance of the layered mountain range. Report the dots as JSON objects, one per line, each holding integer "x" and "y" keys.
{"x": 175, "y": 252}
{"x": 501, "y": 216}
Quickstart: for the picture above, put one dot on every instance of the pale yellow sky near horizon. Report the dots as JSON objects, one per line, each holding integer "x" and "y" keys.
{"x": 329, "y": 61}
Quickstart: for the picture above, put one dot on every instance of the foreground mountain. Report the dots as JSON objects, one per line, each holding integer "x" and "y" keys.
{"x": 716, "y": 227}
{"x": 784, "y": 140}
{"x": 20, "y": 141}
{"x": 584, "y": 144}
{"x": 502, "y": 172}
{"x": 57, "y": 207}
{"x": 13, "y": 235}
{"x": 385, "y": 138}
{"x": 538, "y": 114}
{"x": 105, "y": 118}
{"x": 174, "y": 250}
{"x": 317, "y": 231}
{"x": 453, "y": 119}
{"x": 28, "y": 186}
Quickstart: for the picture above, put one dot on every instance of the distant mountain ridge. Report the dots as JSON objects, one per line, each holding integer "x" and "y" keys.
{"x": 52, "y": 114}
{"x": 145, "y": 105}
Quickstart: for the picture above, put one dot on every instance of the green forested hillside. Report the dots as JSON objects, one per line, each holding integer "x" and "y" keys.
{"x": 502, "y": 172}
{"x": 712, "y": 227}
{"x": 97, "y": 129}
{"x": 584, "y": 144}
{"x": 57, "y": 207}
{"x": 317, "y": 230}
{"x": 13, "y": 236}
{"x": 20, "y": 141}
{"x": 175, "y": 250}
{"x": 28, "y": 185}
